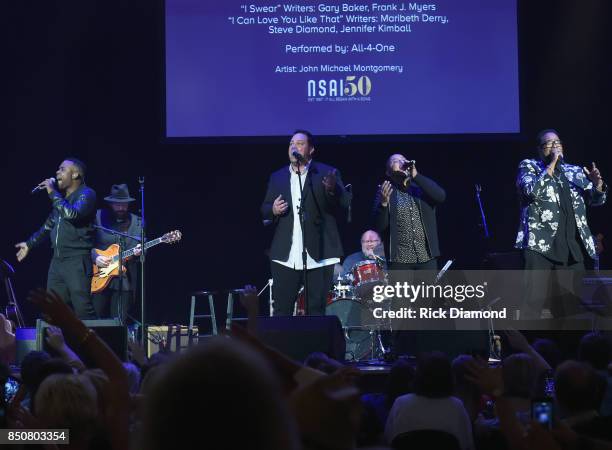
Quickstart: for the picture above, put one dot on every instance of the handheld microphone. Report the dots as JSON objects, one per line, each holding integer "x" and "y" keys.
{"x": 408, "y": 164}
{"x": 298, "y": 156}
{"x": 39, "y": 187}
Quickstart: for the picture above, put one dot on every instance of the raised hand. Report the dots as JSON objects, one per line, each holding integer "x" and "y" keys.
{"x": 413, "y": 171}
{"x": 385, "y": 193}
{"x": 55, "y": 338}
{"x": 488, "y": 379}
{"x": 23, "y": 251}
{"x": 594, "y": 175}
{"x": 517, "y": 340}
{"x": 279, "y": 206}
{"x": 56, "y": 312}
{"x": 7, "y": 337}
{"x": 329, "y": 181}
{"x": 48, "y": 184}
{"x": 249, "y": 299}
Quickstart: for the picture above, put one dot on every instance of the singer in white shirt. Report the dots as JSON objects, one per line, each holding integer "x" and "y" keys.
{"x": 324, "y": 198}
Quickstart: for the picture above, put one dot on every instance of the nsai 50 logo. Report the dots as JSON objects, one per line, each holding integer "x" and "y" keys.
{"x": 349, "y": 87}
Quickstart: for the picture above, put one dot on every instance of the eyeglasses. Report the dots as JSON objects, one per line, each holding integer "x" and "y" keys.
{"x": 552, "y": 143}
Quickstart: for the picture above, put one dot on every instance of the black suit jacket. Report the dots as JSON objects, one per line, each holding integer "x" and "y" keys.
{"x": 321, "y": 208}
{"x": 427, "y": 194}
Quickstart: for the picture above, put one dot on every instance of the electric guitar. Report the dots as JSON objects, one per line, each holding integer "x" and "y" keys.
{"x": 103, "y": 275}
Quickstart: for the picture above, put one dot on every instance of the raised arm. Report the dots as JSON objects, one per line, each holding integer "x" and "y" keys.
{"x": 59, "y": 313}
{"x": 430, "y": 188}
{"x": 335, "y": 193}
{"x": 529, "y": 183}
{"x": 380, "y": 211}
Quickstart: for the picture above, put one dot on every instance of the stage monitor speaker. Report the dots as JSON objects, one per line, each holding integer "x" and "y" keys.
{"x": 110, "y": 331}
{"x": 299, "y": 336}
{"x": 25, "y": 342}
{"x": 451, "y": 342}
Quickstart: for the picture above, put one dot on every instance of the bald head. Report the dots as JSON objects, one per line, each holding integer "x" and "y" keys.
{"x": 369, "y": 241}
{"x": 395, "y": 163}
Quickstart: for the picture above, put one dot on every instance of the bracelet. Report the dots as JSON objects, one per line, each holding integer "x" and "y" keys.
{"x": 89, "y": 333}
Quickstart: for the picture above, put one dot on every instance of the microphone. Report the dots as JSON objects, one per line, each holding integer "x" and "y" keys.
{"x": 298, "y": 156}
{"x": 38, "y": 187}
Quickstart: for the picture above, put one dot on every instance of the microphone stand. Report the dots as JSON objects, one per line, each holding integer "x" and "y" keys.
{"x": 349, "y": 214}
{"x": 485, "y": 228}
{"x": 141, "y": 181}
{"x": 303, "y": 227}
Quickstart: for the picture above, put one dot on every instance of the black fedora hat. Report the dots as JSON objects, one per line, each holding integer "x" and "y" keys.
{"x": 119, "y": 194}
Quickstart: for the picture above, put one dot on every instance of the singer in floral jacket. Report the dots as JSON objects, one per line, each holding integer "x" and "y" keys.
{"x": 553, "y": 230}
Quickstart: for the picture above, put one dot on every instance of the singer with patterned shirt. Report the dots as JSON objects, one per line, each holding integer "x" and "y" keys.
{"x": 70, "y": 227}
{"x": 553, "y": 231}
{"x": 405, "y": 215}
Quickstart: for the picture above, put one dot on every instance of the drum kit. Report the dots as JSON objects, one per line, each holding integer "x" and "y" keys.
{"x": 351, "y": 300}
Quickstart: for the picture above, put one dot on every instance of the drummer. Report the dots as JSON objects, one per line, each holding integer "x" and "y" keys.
{"x": 371, "y": 249}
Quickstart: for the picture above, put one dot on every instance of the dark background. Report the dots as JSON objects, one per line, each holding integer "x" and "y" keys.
{"x": 85, "y": 78}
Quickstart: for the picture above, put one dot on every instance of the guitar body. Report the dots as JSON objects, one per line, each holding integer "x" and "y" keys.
{"x": 103, "y": 275}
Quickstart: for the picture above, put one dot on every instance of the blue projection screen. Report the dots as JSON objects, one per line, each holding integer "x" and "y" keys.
{"x": 262, "y": 69}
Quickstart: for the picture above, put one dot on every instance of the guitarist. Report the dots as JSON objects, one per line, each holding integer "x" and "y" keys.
{"x": 115, "y": 299}
{"x": 69, "y": 226}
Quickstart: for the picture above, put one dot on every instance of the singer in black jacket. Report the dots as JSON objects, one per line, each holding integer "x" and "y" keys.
{"x": 405, "y": 215}
{"x": 324, "y": 198}
{"x": 70, "y": 227}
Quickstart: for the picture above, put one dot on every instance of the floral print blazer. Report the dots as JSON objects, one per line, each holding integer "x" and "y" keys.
{"x": 540, "y": 204}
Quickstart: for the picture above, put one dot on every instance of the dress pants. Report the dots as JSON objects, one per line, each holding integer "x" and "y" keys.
{"x": 287, "y": 283}
{"x": 545, "y": 281}
{"x": 70, "y": 277}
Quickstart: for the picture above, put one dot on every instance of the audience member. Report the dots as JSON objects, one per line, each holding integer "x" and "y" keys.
{"x": 431, "y": 406}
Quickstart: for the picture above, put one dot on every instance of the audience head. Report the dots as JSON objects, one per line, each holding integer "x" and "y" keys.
{"x": 400, "y": 381}
{"x": 519, "y": 374}
{"x": 133, "y": 376}
{"x": 68, "y": 401}
{"x": 50, "y": 367}
{"x": 434, "y": 377}
{"x": 548, "y": 350}
{"x": 209, "y": 392}
{"x": 595, "y": 350}
{"x": 462, "y": 384}
{"x": 577, "y": 387}
{"x": 30, "y": 366}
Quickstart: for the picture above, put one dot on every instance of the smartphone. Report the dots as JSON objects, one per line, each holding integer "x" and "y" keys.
{"x": 542, "y": 412}
{"x": 549, "y": 386}
{"x": 10, "y": 389}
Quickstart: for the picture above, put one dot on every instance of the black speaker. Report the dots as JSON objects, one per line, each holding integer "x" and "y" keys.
{"x": 299, "y": 336}
{"x": 110, "y": 331}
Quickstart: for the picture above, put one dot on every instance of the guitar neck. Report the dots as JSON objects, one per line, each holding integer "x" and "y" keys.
{"x": 126, "y": 254}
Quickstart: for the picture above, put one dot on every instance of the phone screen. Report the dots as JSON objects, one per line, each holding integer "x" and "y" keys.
{"x": 542, "y": 412}
{"x": 10, "y": 388}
